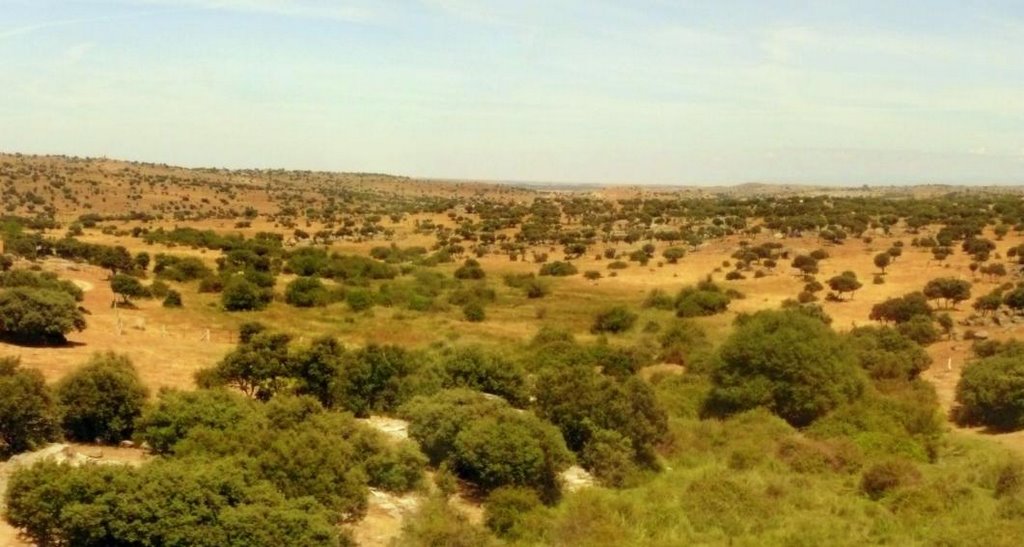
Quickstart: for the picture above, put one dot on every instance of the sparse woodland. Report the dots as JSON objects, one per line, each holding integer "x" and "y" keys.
{"x": 743, "y": 366}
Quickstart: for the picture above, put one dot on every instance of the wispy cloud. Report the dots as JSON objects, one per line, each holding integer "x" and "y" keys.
{"x": 339, "y": 10}
{"x": 77, "y": 52}
{"x": 30, "y": 28}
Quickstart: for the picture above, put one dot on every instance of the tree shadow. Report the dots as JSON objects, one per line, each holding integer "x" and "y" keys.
{"x": 961, "y": 418}
{"x": 46, "y": 342}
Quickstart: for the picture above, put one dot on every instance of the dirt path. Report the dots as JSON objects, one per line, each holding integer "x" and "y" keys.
{"x": 949, "y": 358}
{"x": 83, "y": 284}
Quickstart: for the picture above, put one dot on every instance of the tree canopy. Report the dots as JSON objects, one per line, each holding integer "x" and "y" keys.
{"x": 788, "y": 362}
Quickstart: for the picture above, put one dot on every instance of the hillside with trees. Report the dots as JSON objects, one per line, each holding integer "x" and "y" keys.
{"x": 304, "y": 358}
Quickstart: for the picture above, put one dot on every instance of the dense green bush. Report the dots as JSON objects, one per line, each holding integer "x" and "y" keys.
{"x": 240, "y": 294}
{"x": 788, "y": 362}
{"x": 673, "y": 254}
{"x": 558, "y": 269}
{"x": 610, "y": 457}
{"x": 437, "y": 524}
{"x": 203, "y": 504}
{"x": 470, "y": 270}
{"x": 173, "y": 299}
{"x": 127, "y": 287}
{"x": 474, "y": 312}
{"x": 615, "y": 319}
{"x": 901, "y": 309}
{"x": 176, "y": 413}
{"x": 582, "y": 402}
{"x": 948, "y": 290}
{"x": 530, "y": 284}
{"x": 900, "y": 418}
{"x": 991, "y": 391}
{"x": 371, "y": 379}
{"x": 304, "y": 451}
{"x": 511, "y": 449}
{"x": 101, "y": 399}
{"x": 29, "y": 415}
{"x": 886, "y": 353}
{"x": 259, "y": 366}
{"x": 40, "y": 280}
{"x": 358, "y": 299}
{"x": 306, "y": 292}
{"x": 702, "y": 300}
{"x": 506, "y": 507}
{"x": 314, "y": 369}
{"x": 38, "y": 315}
{"x": 435, "y": 421}
{"x": 473, "y": 368}
{"x": 396, "y": 468}
{"x": 920, "y": 329}
{"x": 180, "y": 269}
{"x": 471, "y": 292}
{"x": 684, "y": 343}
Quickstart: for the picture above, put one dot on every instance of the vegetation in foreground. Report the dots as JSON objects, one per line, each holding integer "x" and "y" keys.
{"x": 781, "y": 429}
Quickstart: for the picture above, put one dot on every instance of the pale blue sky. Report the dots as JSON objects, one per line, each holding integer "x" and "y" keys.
{"x": 687, "y": 92}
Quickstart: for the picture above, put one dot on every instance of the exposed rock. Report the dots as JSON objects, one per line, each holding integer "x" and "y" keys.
{"x": 576, "y": 478}
{"x": 392, "y": 427}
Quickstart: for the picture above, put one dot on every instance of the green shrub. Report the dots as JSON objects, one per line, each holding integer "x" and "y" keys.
{"x": 506, "y": 507}
{"x": 615, "y": 320}
{"x": 371, "y": 379}
{"x": 436, "y": 524}
{"x": 684, "y": 343}
{"x": 29, "y": 416}
{"x": 358, "y": 299}
{"x": 609, "y": 456}
{"x": 991, "y": 392}
{"x": 921, "y": 329}
{"x": 882, "y": 478}
{"x": 470, "y": 270}
{"x": 886, "y": 353}
{"x": 703, "y": 300}
{"x": 242, "y": 295}
{"x": 473, "y": 368}
{"x": 398, "y": 468}
{"x": 173, "y": 299}
{"x": 474, "y": 312}
{"x": 580, "y": 402}
{"x": 471, "y": 292}
{"x": 40, "y": 280}
{"x": 435, "y": 421}
{"x": 673, "y": 254}
{"x": 658, "y": 299}
{"x": 38, "y": 315}
{"x": 158, "y": 289}
{"x": 127, "y": 287}
{"x": 788, "y": 362}
{"x": 511, "y": 449}
{"x": 101, "y": 399}
{"x": 163, "y": 503}
{"x": 306, "y": 292}
{"x": 176, "y": 413}
{"x": 558, "y": 269}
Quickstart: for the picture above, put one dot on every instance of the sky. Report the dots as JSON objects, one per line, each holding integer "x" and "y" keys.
{"x": 640, "y": 91}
